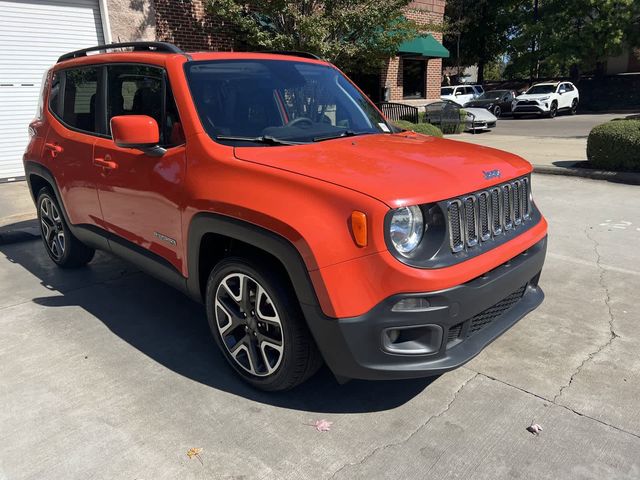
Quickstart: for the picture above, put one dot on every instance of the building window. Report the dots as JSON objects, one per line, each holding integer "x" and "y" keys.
{"x": 413, "y": 80}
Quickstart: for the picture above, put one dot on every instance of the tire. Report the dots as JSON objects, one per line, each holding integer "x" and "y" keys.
{"x": 260, "y": 327}
{"x": 497, "y": 111}
{"x": 574, "y": 106}
{"x": 553, "y": 111}
{"x": 61, "y": 245}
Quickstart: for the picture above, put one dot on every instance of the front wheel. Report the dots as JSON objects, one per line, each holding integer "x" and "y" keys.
{"x": 257, "y": 323}
{"x": 497, "y": 111}
{"x": 553, "y": 111}
{"x": 62, "y": 246}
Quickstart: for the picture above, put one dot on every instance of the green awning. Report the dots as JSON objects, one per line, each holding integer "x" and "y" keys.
{"x": 426, "y": 46}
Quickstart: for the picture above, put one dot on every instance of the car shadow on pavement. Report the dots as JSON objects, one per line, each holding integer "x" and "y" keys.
{"x": 171, "y": 329}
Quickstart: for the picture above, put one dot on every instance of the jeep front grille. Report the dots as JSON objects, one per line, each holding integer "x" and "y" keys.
{"x": 481, "y": 216}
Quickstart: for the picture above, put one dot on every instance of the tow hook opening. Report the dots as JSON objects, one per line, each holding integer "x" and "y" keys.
{"x": 413, "y": 340}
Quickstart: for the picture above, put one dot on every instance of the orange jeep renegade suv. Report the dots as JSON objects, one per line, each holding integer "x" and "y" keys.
{"x": 268, "y": 187}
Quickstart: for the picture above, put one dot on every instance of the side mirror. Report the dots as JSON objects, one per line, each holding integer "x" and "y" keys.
{"x": 139, "y": 132}
{"x": 458, "y": 92}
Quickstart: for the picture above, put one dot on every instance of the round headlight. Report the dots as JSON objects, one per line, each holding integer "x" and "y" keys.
{"x": 406, "y": 229}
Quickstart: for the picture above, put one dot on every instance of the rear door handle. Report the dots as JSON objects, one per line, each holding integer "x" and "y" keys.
{"x": 54, "y": 148}
{"x": 105, "y": 163}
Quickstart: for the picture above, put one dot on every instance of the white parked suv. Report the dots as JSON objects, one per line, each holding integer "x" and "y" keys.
{"x": 461, "y": 94}
{"x": 547, "y": 99}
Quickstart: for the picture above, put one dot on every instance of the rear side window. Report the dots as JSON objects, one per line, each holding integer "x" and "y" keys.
{"x": 80, "y": 97}
{"x": 144, "y": 90}
{"x": 55, "y": 97}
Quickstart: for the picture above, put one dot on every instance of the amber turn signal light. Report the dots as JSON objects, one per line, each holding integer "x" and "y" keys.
{"x": 359, "y": 228}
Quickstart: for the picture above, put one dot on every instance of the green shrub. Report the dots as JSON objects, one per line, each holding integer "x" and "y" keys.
{"x": 424, "y": 128}
{"x": 615, "y": 145}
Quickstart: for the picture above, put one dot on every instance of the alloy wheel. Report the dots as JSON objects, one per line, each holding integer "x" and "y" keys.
{"x": 249, "y": 324}
{"x": 52, "y": 228}
{"x": 497, "y": 112}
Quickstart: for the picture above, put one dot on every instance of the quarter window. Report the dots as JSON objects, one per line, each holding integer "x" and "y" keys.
{"x": 78, "y": 106}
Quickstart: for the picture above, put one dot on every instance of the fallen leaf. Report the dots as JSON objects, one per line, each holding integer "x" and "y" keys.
{"x": 534, "y": 428}
{"x": 322, "y": 425}
{"x": 195, "y": 452}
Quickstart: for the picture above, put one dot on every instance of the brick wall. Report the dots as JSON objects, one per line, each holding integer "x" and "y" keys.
{"x": 427, "y": 13}
{"x": 186, "y": 24}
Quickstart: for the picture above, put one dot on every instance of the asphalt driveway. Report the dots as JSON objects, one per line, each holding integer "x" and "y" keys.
{"x": 107, "y": 373}
{"x": 563, "y": 126}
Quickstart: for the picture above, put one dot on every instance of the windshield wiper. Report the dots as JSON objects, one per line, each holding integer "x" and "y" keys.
{"x": 345, "y": 133}
{"x": 266, "y": 139}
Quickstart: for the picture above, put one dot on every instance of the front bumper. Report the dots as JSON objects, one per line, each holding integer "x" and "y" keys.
{"x": 457, "y": 325}
{"x": 532, "y": 108}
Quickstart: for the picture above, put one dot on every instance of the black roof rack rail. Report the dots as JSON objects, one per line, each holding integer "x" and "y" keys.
{"x": 293, "y": 53}
{"x": 160, "y": 47}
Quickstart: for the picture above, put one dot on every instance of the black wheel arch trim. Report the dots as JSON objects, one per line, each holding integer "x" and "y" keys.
{"x": 277, "y": 246}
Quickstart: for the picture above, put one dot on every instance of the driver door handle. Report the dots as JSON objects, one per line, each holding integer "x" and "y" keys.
{"x": 105, "y": 163}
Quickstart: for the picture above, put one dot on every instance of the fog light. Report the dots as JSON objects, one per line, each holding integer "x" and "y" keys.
{"x": 393, "y": 335}
{"x": 413, "y": 304}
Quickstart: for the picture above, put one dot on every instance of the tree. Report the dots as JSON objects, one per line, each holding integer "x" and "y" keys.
{"x": 476, "y": 31}
{"x": 571, "y": 36}
{"x": 356, "y": 35}
{"x": 581, "y": 34}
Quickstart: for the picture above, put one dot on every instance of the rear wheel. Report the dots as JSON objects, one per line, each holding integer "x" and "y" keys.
{"x": 61, "y": 245}
{"x": 574, "y": 106}
{"x": 257, "y": 323}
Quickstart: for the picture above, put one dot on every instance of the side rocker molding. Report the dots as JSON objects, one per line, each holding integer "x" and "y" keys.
{"x": 100, "y": 239}
{"x": 279, "y": 247}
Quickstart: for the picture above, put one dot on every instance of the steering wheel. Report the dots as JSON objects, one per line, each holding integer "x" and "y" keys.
{"x": 300, "y": 120}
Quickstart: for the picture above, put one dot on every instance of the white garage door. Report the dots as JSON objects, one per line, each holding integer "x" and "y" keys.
{"x": 33, "y": 34}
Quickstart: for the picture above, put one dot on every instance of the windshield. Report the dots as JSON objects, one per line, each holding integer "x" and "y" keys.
{"x": 258, "y": 100}
{"x": 537, "y": 89}
{"x": 493, "y": 95}
{"x": 446, "y": 91}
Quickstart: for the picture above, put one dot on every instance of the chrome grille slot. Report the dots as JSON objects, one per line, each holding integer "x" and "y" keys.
{"x": 507, "y": 202}
{"x": 517, "y": 202}
{"x": 456, "y": 226}
{"x": 496, "y": 210}
{"x": 526, "y": 195}
{"x": 470, "y": 221}
{"x": 482, "y": 216}
{"x": 484, "y": 222}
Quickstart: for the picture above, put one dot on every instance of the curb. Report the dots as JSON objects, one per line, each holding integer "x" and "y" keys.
{"x": 630, "y": 178}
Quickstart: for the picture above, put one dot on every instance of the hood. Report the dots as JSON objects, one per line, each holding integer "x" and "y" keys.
{"x": 481, "y": 113}
{"x": 534, "y": 96}
{"x": 399, "y": 169}
{"x": 481, "y": 103}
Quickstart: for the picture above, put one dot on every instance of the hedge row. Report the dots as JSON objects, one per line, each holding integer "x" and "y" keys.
{"x": 615, "y": 145}
{"x": 424, "y": 128}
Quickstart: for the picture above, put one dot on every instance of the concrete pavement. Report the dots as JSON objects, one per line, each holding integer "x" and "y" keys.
{"x": 15, "y": 203}
{"x": 107, "y": 373}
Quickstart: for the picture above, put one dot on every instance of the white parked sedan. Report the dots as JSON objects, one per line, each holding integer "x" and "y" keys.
{"x": 479, "y": 119}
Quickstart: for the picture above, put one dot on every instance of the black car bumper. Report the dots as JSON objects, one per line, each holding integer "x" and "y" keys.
{"x": 452, "y": 328}
{"x": 529, "y": 109}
